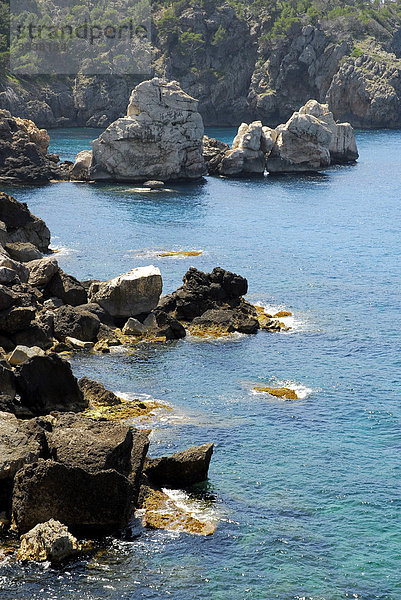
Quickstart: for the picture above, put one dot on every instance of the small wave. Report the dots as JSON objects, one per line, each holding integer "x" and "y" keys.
{"x": 203, "y": 511}
{"x": 62, "y": 250}
{"x": 295, "y": 322}
{"x": 144, "y": 190}
{"x": 161, "y": 414}
{"x": 222, "y": 338}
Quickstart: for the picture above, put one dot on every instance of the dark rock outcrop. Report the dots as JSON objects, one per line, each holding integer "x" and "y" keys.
{"x": 75, "y": 322}
{"x": 67, "y": 288}
{"x": 95, "y": 393}
{"x": 95, "y": 503}
{"x": 46, "y": 384}
{"x": 22, "y": 225}
{"x": 182, "y": 469}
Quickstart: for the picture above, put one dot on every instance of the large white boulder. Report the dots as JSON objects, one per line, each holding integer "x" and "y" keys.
{"x": 343, "y": 145}
{"x": 130, "y": 294}
{"x": 160, "y": 138}
{"x": 302, "y": 144}
{"x": 245, "y": 156}
{"x": 48, "y": 541}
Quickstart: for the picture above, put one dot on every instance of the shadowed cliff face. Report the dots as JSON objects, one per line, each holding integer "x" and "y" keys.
{"x": 238, "y": 72}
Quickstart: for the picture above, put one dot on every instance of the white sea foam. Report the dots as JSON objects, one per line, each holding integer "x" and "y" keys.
{"x": 201, "y": 510}
{"x": 295, "y": 321}
{"x": 302, "y": 391}
{"x": 62, "y": 250}
{"x": 163, "y": 414}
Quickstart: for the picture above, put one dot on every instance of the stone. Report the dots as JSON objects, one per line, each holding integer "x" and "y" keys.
{"x": 7, "y": 297}
{"x": 96, "y": 394}
{"x": 7, "y": 379}
{"x": 130, "y": 294}
{"x": 80, "y": 169}
{"x": 21, "y": 354}
{"x": 159, "y": 139}
{"x": 245, "y": 156}
{"x": 94, "y": 446}
{"x": 50, "y": 541}
{"x": 19, "y": 272}
{"x": 75, "y": 322}
{"x": 23, "y": 251}
{"x": 160, "y": 324}
{"x": 67, "y": 288}
{"x": 154, "y": 185}
{"x": 182, "y": 469}
{"x": 46, "y": 384}
{"x": 41, "y": 271}
{"x": 343, "y": 145}
{"x": 302, "y": 144}
{"x": 134, "y": 327}
{"x": 78, "y": 344}
{"x": 21, "y": 224}
{"x": 213, "y": 153}
{"x": 16, "y": 318}
{"x": 92, "y": 503}
{"x": 286, "y": 393}
{"x": 243, "y": 319}
{"x": 17, "y": 447}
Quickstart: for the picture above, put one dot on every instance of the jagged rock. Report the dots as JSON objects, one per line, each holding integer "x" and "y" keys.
{"x": 213, "y": 153}
{"x": 50, "y": 541}
{"x": 242, "y": 319}
{"x": 23, "y": 150}
{"x": 245, "y": 156}
{"x": 41, "y": 271}
{"x": 97, "y": 503}
{"x": 7, "y": 297}
{"x": 80, "y": 169}
{"x": 204, "y": 291}
{"x": 46, "y": 384}
{"x": 12, "y": 271}
{"x": 130, "y": 294}
{"x": 76, "y": 322}
{"x": 21, "y": 354}
{"x": 7, "y": 380}
{"x": 21, "y": 224}
{"x": 302, "y": 144}
{"x": 182, "y": 469}
{"x": 160, "y": 324}
{"x": 343, "y": 145}
{"x": 67, "y": 288}
{"x": 23, "y": 251}
{"x": 160, "y": 138}
{"x": 95, "y": 393}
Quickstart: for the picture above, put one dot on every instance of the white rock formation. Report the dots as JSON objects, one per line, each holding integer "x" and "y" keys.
{"x": 302, "y": 144}
{"x": 48, "y": 541}
{"x": 80, "y": 169}
{"x": 343, "y": 145}
{"x": 130, "y": 294}
{"x": 245, "y": 155}
{"x": 160, "y": 138}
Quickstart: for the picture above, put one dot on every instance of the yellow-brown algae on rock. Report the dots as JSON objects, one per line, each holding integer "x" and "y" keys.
{"x": 127, "y": 409}
{"x": 278, "y": 392}
{"x": 205, "y": 331}
{"x": 282, "y": 313}
{"x": 162, "y": 513}
{"x": 183, "y": 253}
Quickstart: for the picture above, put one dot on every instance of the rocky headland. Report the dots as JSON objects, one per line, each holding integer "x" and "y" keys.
{"x": 244, "y": 61}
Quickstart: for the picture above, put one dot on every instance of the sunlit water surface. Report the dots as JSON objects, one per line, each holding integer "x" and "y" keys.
{"x": 307, "y": 492}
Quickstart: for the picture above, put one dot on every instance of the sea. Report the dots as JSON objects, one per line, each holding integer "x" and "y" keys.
{"x": 306, "y": 493}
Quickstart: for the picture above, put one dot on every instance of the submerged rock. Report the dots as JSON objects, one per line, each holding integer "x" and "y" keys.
{"x": 50, "y": 541}
{"x": 286, "y": 393}
{"x": 95, "y": 393}
{"x": 159, "y": 139}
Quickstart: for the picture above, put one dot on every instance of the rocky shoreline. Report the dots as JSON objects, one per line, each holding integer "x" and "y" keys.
{"x": 63, "y": 439}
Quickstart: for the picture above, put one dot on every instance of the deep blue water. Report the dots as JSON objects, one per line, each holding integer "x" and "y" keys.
{"x": 307, "y": 492}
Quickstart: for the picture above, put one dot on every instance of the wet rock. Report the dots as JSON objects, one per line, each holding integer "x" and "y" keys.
{"x": 134, "y": 327}
{"x": 154, "y": 184}
{"x": 286, "y": 393}
{"x": 130, "y": 294}
{"x": 50, "y": 541}
{"x": 67, "y": 288}
{"x": 95, "y": 503}
{"x": 75, "y": 322}
{"x": 46, "y": 384}
{"x": 161, "y": 324}
{"x": 159, "y": 139}
{"x": 242, "y": 319}
{"x": 182, "y": 469}
{"x": 95, "y": 393}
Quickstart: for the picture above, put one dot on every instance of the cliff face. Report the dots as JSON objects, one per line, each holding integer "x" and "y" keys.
{"x": 238, "y": 72}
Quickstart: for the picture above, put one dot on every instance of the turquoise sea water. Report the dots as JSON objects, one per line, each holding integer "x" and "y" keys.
{"x": 307, "y": 492}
